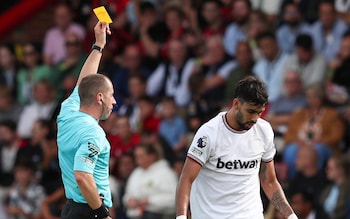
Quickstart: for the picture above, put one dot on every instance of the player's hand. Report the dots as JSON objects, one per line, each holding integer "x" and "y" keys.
{"x": 100, "y": 30}
{"x": 108, "y": 217}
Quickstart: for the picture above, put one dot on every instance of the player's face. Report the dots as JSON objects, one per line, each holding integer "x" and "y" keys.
{"x": 247, "y": 115}
{"x": 108, "y": 103}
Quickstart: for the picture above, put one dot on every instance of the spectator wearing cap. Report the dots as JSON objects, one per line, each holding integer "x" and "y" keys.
{"x": 311, "y": 65}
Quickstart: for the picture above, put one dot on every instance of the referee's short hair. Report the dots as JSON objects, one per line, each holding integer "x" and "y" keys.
{"x": 251, "y": 90}
{"x": 90, "y": 86}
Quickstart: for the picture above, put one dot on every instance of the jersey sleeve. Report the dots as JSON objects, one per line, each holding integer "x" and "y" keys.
{"x": 86, "y": 156}
{"x": 270, "y": 149}
{"x": 201, "y": 146}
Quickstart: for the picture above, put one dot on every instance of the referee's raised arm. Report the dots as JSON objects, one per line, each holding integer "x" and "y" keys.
{"x": 93, "y": 61}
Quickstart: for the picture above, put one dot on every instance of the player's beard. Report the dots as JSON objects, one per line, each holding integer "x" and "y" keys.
{"x": 241, "y": 123}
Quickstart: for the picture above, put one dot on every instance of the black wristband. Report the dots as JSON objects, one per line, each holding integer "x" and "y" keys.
{"x": 94, "y": 46}
{"x": 101, "y": 212}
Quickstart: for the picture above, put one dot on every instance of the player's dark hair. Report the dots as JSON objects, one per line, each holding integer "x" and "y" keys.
{"x": 90, "y": 86}
{"x": 251, "y": 90}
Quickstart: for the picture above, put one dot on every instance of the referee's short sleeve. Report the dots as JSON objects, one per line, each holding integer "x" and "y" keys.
{"x": 86, "y": 156}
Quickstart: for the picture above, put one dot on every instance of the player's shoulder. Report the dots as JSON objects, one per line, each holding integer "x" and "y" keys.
{"x": 214, "y": 122}
{"x": 264, "y": 126}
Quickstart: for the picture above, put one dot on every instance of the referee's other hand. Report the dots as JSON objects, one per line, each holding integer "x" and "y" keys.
{"x": 100, "y": 29}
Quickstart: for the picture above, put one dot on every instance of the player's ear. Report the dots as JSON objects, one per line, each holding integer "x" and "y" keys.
{"x": 235, "y": 103}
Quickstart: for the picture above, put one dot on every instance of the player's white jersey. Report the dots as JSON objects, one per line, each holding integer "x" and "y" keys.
{"x": 228, "y": 186}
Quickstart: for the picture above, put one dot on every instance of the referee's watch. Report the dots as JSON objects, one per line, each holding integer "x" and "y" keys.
{"x": 94, "y": 46}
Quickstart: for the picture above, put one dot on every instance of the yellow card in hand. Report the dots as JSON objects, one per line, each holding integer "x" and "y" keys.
{"x": 102, "y": 15}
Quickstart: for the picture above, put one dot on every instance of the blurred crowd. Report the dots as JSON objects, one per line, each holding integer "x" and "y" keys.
{"x": 174, "y": 64}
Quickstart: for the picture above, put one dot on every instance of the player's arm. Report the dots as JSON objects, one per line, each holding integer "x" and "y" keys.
{"x": 273, "y": 189}
{"x": 93, "y": 61}
{"x": 88, "y": 189}
{"x": 190, "y": 171}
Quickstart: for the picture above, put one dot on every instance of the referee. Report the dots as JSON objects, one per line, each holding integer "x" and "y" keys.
{"x": 82, "y": 144}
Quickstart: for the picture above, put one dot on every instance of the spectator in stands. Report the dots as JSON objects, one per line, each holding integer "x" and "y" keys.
{"x": 311, "y": 65}
{"x": 171, "y": 77}
{"x": 33, "y": 70}
{"x": 215, "y": 65}
{"x": 123, "y": 140}
{"x": 237, "y": 31}
{"x": 301, "y": 202}
{"x": 172, "y": 126}
{"x": 8, "y": 67}
{"x": 213, "y": 23}
{"x": 33, "y": 150}
{"x": 136, "y": 88}
{"x": 270, "y": 69}
{"x": 52, "y": 205}
{"x": 9, "y": 146}
{"x": 315, "y": 126}
{"x": 129, "y": 64}
{"x": 309, "y": 177}
{"x": 164, "y": 149}
{"x": 343, "y": 52}
{"x": 269, "y": 7}
{"x": 71, "y": 64}
{"x": 335, "y": 198}
{"x": 9, "y": 109}
{"x": 338, "y": 85}
{"x": 292, "y": 26}
{"x": 174, "y": 19}
{"x": 343, "y": 8}
{"x": 150, "y": 190}
{"x": 257, "y": 24}
{"x": 151, "y": 32}
{"x": 54, "y": 42}
{"x": 328, "y": 31}
{"x": 148, "y": 118}
{"x": 50, "y": 172}
{"x": 42, "y": 108}
{"x": 280, "y": 110}
{"x": 125, "y": 165}
{"x": 243, "y": 68}
{"x": 25, "y": 197}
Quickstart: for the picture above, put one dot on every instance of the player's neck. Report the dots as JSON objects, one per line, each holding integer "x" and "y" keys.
{"x": 231, "y": 121}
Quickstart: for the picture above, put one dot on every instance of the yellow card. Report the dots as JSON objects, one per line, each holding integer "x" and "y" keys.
{"x": 102, "y": 15}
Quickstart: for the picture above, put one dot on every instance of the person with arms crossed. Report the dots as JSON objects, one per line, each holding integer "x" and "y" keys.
{"x": 83, "y": 149}
{"x": 227, "y": 157}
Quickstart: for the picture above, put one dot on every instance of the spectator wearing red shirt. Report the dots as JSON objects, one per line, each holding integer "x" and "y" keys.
{"x": 149, "y": 120}
{"x": 122, "y": 140}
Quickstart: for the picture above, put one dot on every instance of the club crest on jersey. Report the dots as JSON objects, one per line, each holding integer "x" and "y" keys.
{"x": 202, "y": 142}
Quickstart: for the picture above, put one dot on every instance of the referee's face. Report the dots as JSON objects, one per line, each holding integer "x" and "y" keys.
{"x": 108, "y": 102}
{"x": 247, "y": 115}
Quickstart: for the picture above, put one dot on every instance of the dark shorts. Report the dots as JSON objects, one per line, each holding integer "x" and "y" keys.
{"x": 73, "y": 210}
